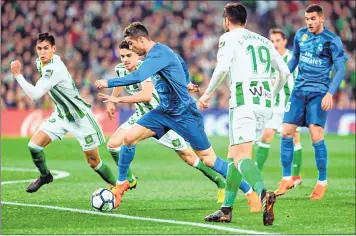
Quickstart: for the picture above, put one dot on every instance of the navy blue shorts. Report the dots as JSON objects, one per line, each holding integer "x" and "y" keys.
{"x": 189, "y": 125}
{"x": 304, "y": 109}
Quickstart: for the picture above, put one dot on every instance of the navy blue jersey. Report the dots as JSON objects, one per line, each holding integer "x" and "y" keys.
{"x": 315, "y": 55}
{"x": 170, "y": 75}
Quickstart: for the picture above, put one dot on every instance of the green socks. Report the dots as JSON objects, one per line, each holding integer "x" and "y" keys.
{"x": 297, "y": 160}
{"x": 262, "y": 154}
{"x": 115, "y": 153}
{"x": 105, "y": 173}
{"x": 38, "y": 158}
{"x": 251, "y": 174}
{"x": 210, "y": 173}
{"x": 233, "y": 181}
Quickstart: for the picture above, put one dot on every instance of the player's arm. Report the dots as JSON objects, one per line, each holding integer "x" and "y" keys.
{"x": 224, "y": 58}
{"x": 191, "y": 87}
{"x": 150, "y": 66}
{"x": 293, "y": 62}
{"x": 43, "y": 85}
{"x": 145, "y": 95}
{"x": 279, "y": 65}
{"x": 339, "y": 57}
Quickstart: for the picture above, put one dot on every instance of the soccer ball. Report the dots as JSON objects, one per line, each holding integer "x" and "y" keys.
{"x": 103, "y": 200}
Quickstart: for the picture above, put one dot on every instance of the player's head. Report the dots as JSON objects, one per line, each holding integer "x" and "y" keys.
{"x": 137, "y": 37}
{"x": 235, "y": 14}
{"x": 45, "y": 47}
{"x": 314, "y": 18}
{"x": 127, "y": 56}
{"x": 278, "y": 38}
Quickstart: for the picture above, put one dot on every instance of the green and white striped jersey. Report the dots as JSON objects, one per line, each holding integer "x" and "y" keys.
{"x": 141, "y": 107}
{"x": 250, "y": 57}
{"x": 65, "y": 95}
{"x": 282, "y": 98}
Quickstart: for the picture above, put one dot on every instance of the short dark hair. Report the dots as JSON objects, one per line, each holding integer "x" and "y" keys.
{"x": 46, "y": 37}
{"x": 236, "y": 13}
{"x": 314, "y": 8}
{"x": 124, "y": 45}
{"x": 136, "y": 29}
{"x": 277, "y": 31}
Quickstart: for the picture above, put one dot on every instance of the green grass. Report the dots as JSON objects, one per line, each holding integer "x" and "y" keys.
{"x": 169, "y": 189}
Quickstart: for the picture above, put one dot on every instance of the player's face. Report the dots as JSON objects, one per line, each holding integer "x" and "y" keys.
{"x": 136, "y": 45}
{"x": 45, "y": 51}
{"x": 314, "y": 22}
{"x": 278, "y": 42}
{"x": 129, "y": 58}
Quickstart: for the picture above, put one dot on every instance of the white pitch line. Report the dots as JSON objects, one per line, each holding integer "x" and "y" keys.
{"x": 62, "y": 174}
{"x": 57, "y": 174}
{"x": 216, "y": 227}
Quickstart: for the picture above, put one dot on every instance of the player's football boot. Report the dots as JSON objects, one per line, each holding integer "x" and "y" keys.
{"x": 118, "y": 192}
{"x": 297, "y": 180}
{"x": 222, "y": 215}
{"x": 133, "y": 184}
{"x": 35, "y": 185}
{"x": 318, "y": 192}
{"x": 268, "y": 200}
{"x": 284, "y": 185}
{"x": 254, "y": 203}
{"x": 221, "y": 195}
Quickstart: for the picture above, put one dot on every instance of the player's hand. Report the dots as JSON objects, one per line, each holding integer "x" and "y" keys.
{"x": 193, "y": 88}
{"x": 101, "y": 83}
{"x": 110, "y": 110}
{"x": 108, "y": 98}
{"x": 204, "y": 101}
{"x": 15, "y": 68}
{"x": 327, "y": 102}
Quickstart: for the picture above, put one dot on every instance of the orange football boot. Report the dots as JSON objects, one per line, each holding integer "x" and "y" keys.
{"x": 297, "y": 180}
{"x": 284, "y": 185}
{"x": 118, "y": 192}
{"x": 318, "y": 192}
{"x": 254, "y": 202}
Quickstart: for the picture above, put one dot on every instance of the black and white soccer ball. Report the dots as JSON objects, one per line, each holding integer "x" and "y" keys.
{"x": 103, "y": 200}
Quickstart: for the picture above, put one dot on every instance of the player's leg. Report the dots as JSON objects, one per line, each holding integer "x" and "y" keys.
{"x": 141, "y": 130}
{"x": 50, "y": 130}
{"x": 172, "y": 140}
{"x": 90, "y": 136}
{"x": 263, "y": 147}
{"x": 315, "y": 119}
{"x": 114, "y": 146}
{"x": 95, "y": 162}
{"x": 242, "y": 122}
{"x": 294, "y": 116}
{"x": 297, "y": 160}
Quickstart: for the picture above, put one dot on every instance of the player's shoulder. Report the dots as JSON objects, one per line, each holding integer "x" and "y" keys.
{"x": 56, "y": 63}
{"x": 329, "y": 35}
{"x": 301, "y": 32}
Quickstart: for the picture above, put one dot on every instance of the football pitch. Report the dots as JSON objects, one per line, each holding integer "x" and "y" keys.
{"x": 171, "y": 197}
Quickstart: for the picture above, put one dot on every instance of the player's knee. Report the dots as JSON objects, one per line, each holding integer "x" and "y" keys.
{"x": 316, "y": 137}
{"x": 268, "y": 135}
{"x": 113, "y": 145}
{"x": 130, "y": 139}
{"x": 287, "y": 131}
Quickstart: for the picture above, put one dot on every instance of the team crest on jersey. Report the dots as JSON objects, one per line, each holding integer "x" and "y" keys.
{"x": 48, "y": 74}
{"x": 221, "y": 44}
{"x": 304, "y": 37}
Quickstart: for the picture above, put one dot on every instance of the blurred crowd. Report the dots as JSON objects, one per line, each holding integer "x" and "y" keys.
{"x": 88, "y": 32}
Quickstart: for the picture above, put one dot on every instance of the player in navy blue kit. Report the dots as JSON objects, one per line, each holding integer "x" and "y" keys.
{"x": 176, "y": 110}
{"x": 316, "y": 50}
